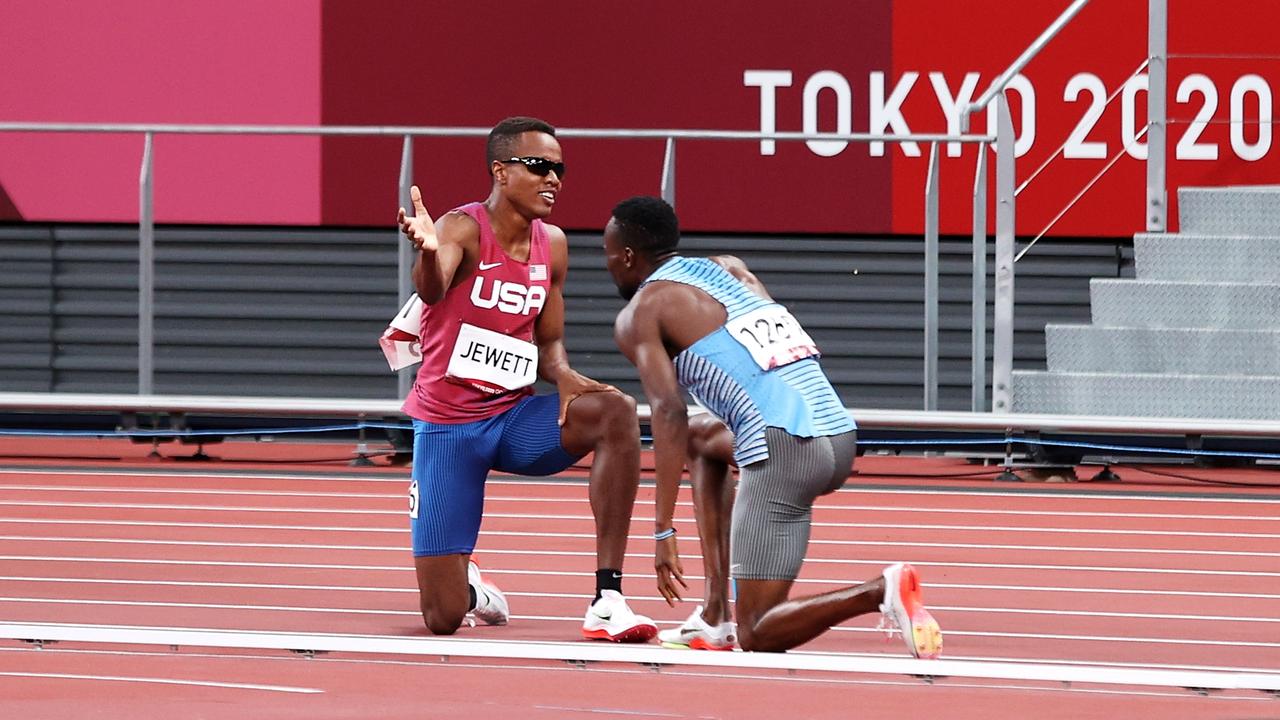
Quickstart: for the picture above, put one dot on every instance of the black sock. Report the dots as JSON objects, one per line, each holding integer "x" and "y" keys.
{"x": 472, "y": 590}
{"x": 608, "y": 579}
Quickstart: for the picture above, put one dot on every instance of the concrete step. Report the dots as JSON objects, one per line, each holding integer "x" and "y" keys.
{"x": 1207, "y": 258}
{"x": 1173, "y": 304}
{"x": 1088, "y": 348}
{"x": 1147, "y": 395}
{"x": 1242, "y": 210}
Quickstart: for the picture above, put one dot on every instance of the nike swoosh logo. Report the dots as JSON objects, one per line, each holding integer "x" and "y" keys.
{"x": 489, "y": 266}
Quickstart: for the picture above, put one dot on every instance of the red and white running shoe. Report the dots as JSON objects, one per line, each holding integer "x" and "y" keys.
{"x": 491, "y": 605}
{"x": 609, "y": 618}
{"x": 698, "y": 634}
{"x": 903, "y": 610}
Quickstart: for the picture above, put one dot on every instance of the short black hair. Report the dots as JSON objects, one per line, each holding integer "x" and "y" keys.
{"x": 502, "y": 138}
{"x": 648, "y": 224}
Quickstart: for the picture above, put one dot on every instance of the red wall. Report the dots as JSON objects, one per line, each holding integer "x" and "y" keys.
{"x": 661, "y": 64}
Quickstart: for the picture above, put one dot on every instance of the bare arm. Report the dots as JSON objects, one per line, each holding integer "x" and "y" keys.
{"x": 443, "y": 247}
{"x": 637, "y": 332}
{"x": 739, "y": 270}
{"x": 553, "y": 359}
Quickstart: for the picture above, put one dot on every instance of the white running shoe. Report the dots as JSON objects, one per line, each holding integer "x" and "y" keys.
{"x": 609, "y": 618}
{"x": 491, "y": 605}
{"x": 698, "y": 634}
{"x": 903, "y": 610}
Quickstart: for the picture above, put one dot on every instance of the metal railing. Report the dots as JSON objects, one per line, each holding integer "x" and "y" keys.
{"x": 1005, "y": 188}
{"x": 146, "y": 215}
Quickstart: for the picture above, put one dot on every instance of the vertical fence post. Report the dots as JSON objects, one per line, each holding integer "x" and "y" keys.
{"x": 669, "y": 173}
{"x": 1158, "y": 78}
{"x": 1002, "y": 358}
{"x": 146, "y": 272}
{"x": 404, "y": 256}
{"x": 931, "y": 281}
{"x": 978, "y": 374}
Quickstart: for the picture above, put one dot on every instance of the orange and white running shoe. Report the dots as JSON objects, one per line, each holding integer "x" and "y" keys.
{"x": 491, "y": 605}
{"x": 698, "y": 634}
{"x": 610, "y": 619}
{"x": 903, "y": 610}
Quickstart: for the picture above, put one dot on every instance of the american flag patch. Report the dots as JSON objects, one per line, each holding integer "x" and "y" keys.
{"x": 537, "y": 272}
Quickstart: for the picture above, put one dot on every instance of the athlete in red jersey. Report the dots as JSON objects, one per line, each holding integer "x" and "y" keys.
{"x": 491, "y": 275}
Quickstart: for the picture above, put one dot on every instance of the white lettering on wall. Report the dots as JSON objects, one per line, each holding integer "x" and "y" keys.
{"x": 1025, "y": 133}
{"x": 834, "y": 81}
{"x": 768, "y": 81}
{"x": 827, "y": 96}
{"x": 953, "y": 106}
{"x": 886, "y": 114}
{"x": 1257, "y": 86}
{"x": 1077, "y": 146}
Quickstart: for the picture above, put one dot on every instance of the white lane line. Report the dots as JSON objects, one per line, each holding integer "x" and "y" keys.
{"x": 200, "y": 491}
{"x": 374, "y": 611}
{"x": 455, "y": 662}
{"x": 876, "y": 564}
{"x": 965, "y": 492}
{"x": 822, "y": 509}
{"x": 186, "y": 475}
{"x": 204, "y": 508}
{"x": 650, "y": 655}
{"x": 1070, "y": 496}
{"x": 823, "y": 506}
{"x": 573, "y": 553}
{"x": 1039, "y": 513}
{"x": 163, "y": 681}
{"x": 386, "y": 530}
{"x": 1145, "y": 592}
{"x": 588, "y": 518}
{"x": 219, "y": 526}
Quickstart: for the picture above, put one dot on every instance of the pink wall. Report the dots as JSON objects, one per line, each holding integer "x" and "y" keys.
{"x": 231, "y": 61}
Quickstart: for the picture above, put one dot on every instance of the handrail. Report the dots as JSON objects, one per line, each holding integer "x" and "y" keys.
{"x": 1006, "y": 200}
{"x": 1110, "y": 99}
{"x": 146, "y": 269}
{"x": 998, "y": 84}
{"x": 25, "y": 402}
{"x": 1087, "y": 187}
{"x": 439, "y": 131}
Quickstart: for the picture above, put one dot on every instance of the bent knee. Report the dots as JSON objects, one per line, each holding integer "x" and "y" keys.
{"x": 751, "y": 642}
{"x": 442, "y": 625}
{"x": 618, "y": 405}
{"x": 609, "y": 409}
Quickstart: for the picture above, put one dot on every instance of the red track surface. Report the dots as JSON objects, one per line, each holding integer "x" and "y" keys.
{"x": 1150, "y": 572}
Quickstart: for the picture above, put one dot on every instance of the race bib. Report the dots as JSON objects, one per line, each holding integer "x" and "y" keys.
{"x": 492, "y": 362}
{"x": 772, "y": 336}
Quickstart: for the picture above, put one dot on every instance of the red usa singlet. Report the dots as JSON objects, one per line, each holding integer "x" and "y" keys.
{"x": 478, "y": 351}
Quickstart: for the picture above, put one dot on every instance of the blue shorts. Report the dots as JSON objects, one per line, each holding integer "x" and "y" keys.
{"x": 451, "y": 463}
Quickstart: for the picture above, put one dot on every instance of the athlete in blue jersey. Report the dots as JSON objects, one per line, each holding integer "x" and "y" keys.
{"x": 708, "y": 326}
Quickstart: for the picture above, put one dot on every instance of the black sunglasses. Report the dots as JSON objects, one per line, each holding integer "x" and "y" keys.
{"x": 539, "y": 166}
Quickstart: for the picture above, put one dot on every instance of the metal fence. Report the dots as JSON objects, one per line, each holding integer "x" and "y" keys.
{"x": 1005, "y": 214}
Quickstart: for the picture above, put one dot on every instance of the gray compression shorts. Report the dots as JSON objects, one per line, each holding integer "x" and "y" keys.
{"x": 772, "y": 513}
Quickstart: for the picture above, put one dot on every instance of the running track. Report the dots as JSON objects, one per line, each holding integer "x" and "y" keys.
{"x": 1142, "y": 574}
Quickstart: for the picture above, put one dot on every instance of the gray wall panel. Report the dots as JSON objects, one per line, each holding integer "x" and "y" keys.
{"x": 297, "y": 311}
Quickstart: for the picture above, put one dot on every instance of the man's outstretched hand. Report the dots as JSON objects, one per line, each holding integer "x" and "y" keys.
{"x": 419, "y": 228}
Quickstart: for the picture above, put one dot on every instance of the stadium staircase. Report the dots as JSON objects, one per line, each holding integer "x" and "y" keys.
{"x": 1195, "y": 334}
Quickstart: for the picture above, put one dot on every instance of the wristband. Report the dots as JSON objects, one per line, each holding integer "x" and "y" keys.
{"x": 664, "y": 534}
